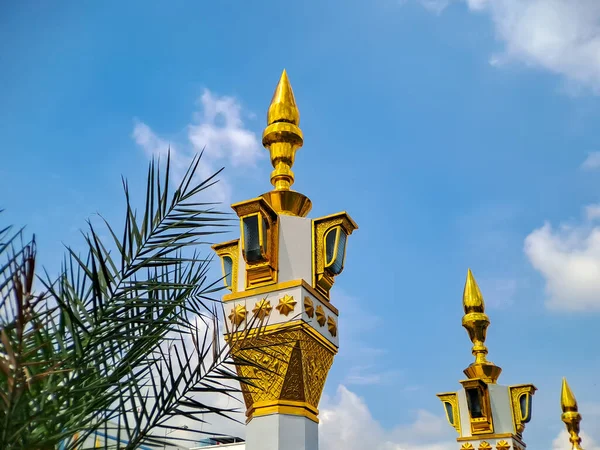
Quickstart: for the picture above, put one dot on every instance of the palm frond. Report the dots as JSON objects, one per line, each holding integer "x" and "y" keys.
{"x": 117, "y": 340}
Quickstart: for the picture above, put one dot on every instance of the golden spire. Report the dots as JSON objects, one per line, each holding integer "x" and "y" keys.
{"x": 570, "y": 416}
{"x": 476, "y": 322}
{"x": 282, "y": 138}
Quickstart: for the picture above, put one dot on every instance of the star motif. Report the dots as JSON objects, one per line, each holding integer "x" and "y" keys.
{"x": 238, "y": 315}
{"x": 331, "y": 326}
{"x": 320, "y": 315}
{"x": 309, "y": 307}
{"x": 485, "y": 446}
{"x": 286, "y": 304}
{"x": 262, "y": 309}
{"x": 502, "y": 445}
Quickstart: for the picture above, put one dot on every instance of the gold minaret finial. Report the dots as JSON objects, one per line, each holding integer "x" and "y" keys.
{"x": 476, "y": 322}
{"x": 282, "y": 138}
{"x": 570, "y": 416}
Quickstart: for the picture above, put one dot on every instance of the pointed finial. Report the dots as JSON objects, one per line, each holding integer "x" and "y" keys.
{"x": 472, "y": 298}
{"x": 283, "y": 105}
{"x": 282, "y": 136}
{"x": 476, "y": 322}
{"x": 570, "y": 416}
{"x": 567, "y": 399}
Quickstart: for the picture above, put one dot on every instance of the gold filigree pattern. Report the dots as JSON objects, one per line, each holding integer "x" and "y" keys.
{"x": 502, "y": 445}
{"x": 286, "y": 304}
{"x": 332, "y": 326}
{"x": 288, "y": 365}
{"x": 321, "y": 319}
{"x": 466, "y": 446}
{"x": 485, "y": 446}
{"x": 309, "y": 307}
{"x": 262, "y": 309}
{"x": 238, "y": 315}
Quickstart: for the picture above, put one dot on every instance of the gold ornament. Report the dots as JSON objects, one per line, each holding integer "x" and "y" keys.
{"x": 485, "y": 446}
{"x": 331, "y": 326}
{"x": 502, "y": 445}
{"x": 476, "y": 322}
{"x": 238, "y": 315}
{"x": 570, "y": 416}
{"x": 286, "y": 304}
{"x": 309, "y": 307}
{"x": 288, "y": 367}
{"x": 262, "y": 309}
{"x": 320, "y": 315}
{"x": 466, "y": 446}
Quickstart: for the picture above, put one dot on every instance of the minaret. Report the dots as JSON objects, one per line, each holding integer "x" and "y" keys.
{"x": 570, "y": 415}
{"x": 283, "y": 329}
{"x": 486, "y": 415}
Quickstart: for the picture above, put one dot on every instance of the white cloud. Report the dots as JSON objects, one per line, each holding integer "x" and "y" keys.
{"x": 219, "y": 130}
{"x": 229, "y": 140}
{"x": 561, "y": 36}
{"x": 435, "y": 6}
{"x": 569, "y": 259}
{"x": 347, "y": 423}
{"x": 592, "y": 212}
{"x": 561, "y": 442}
{"x": 592, "y": 162}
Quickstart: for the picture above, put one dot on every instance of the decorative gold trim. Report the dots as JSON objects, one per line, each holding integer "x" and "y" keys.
{"x": 263, "y": 272}
{"x": 321, "y": 319}
{"x": 502, "y": 445}
{"x": 279, "y": 287}
{"x": 283, "y": 407}
{"x": 262, "y": 309}
{"x": 288, "y": 203}
{"x": 278, "y": 327}
{"x": 230, "y": 249}
{"x": 452, "y": 399}
{"x": 309, "y": 307}
{"x": 484, "y": 445}
{"x": 331, "y": 326}
{"x": 515, "y": 393}
{"x": 238, "y": 315}
{"x": 322, "y": 277}
{"x": 286, "y": 304}
{"x": 491, "y": 436}
{"x": 467, "y": 446}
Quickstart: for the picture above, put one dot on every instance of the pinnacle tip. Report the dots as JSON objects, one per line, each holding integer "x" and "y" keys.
{"x": 567, "y": 398}
{"x": 472, "y": 298}
{"x": 283, "y": 104}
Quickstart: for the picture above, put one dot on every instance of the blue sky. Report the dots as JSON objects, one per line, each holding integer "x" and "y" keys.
{"x": 456, "y": 134}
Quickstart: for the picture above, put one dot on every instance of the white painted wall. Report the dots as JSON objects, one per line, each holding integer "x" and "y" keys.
{"x": 295, "y": 249}
{"x": 282, "y": 432}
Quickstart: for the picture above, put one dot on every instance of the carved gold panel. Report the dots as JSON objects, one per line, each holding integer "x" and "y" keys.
{"x": 286, "y": 369}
